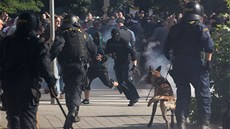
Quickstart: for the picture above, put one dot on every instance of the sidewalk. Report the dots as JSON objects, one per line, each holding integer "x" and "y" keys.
{"x": 107, "y": 110}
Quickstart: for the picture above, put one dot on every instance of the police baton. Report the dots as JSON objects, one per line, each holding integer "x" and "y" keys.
{"x": 54, "y": 96}
{"x": 63, "y": 111}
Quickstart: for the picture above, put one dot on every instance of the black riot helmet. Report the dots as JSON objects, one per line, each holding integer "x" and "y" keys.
{"x": 193, "y": 11}
{"x": 27, "y": 23}
{"x": 70, "y": 21}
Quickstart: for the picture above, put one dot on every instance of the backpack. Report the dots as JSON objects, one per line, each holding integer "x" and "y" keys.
{"x": 75, "y": 49}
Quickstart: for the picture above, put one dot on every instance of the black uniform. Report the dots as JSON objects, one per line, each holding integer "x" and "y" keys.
{"x": 73, "y": 48}
{"x": 120, "y": 50}
{"x": 188, "y": 40}
{"x": 24, "y": 58}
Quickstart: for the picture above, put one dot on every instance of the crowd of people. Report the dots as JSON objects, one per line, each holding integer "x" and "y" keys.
{"x": 123, "y": 37}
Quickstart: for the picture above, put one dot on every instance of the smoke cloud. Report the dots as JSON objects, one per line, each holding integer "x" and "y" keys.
{"x": 155, "y": 58}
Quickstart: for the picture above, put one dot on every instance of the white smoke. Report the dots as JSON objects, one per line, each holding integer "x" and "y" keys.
{"x": 154, "y": 58}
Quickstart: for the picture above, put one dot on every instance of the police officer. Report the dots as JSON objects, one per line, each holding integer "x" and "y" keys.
{"x": 24, "y": 58}
{"x": 188, "y": 40}
{"x": 73, "y": 48}
{"x": 120, "y": 50}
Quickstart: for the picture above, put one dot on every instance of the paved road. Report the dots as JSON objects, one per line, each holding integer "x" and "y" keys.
{"x": 107, "y": 110}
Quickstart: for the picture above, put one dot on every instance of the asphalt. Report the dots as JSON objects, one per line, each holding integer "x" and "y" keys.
{"x": 107, "y": 110}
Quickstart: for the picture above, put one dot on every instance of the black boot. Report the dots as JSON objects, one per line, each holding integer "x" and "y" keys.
{"x": 181, "y": 123}
{"x": 77, "y": 118}
{"x": 69, "y": 120}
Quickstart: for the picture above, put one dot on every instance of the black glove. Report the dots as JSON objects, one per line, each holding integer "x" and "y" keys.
{"x": 134, "y": 68}
{"x": 53, "y": 92}
{"x": 208, "y": 65}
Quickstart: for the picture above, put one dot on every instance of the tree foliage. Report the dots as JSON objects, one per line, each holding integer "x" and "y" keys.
{"x": 120, "y": 5}
{"x": 77, "y": 7}
{"x": 217, "y": 6}
{"x": 81, "y": 7}
{"x": 160, "y": 6}
{"x": 221, "y": 69}
{"x": 17, "y": 6}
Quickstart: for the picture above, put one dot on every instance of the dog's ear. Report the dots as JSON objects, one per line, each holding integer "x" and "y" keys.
{"x": 150, "y": 68}
{"x": 158, "y": 68}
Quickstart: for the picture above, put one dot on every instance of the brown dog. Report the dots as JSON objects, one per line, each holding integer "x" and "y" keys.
{"x": 163, "y": 93}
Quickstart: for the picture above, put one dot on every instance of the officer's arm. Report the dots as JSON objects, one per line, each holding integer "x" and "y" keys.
{"x": 45, "y": 64}
{"x": 57, "y": 46}
{"x": 167, "y": 46}
{"x": 207, "y": 43}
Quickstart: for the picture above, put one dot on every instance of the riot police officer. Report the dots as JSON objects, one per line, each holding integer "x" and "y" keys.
{"x": 24, "y": 58}
{"x": 120, "y": 50}
{"x": 188, "y": 40}
{"x": 73, "y": 49}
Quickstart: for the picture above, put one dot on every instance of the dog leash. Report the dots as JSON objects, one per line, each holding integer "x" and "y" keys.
{"x": 150, "y": 91}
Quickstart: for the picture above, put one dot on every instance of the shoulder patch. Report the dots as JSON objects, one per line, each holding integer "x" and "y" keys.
{"x": 206, "y": 30}
{"x": 192, "y": 22}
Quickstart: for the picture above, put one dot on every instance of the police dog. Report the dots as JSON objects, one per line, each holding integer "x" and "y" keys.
{"x": 163, "y": 93}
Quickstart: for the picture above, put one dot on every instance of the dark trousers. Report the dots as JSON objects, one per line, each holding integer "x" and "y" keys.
{"x": 102, "y": 75}
{"x": 126, "y": 85}
{"x": 73, "y": 75}
{"x": 21, "y": 114}
{"x": 192, "y": 71}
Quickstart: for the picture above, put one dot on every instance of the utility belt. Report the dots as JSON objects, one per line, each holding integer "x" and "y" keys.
{"x": 69, "y": 63}
{"x": 77, "y": 61}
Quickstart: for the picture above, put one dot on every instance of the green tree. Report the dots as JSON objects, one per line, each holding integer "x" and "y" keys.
{"x": 220, "y": 74}
{"x": 217, "y": 6}
{"x": 17, "y": 6}
{"x": 96, "y": 8}
{"x": 120, "y": 5}
{"x": 164, "y": 7}
{"x": 77, "y": 7}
